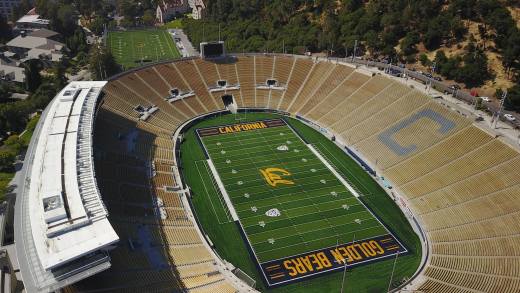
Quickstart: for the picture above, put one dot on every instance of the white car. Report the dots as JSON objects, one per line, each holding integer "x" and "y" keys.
{"x": 509, "y": 117}
{"x": 486, "y": 99}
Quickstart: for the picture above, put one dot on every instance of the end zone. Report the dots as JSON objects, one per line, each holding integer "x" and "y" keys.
{"x": 302, "y": 266}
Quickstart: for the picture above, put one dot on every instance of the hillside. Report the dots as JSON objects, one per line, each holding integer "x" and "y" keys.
{"x": 473, "y": 42}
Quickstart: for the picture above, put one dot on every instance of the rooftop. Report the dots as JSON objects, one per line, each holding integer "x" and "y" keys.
{"x": 31, "y": 42}
{"x": 32, "y": 19}
{"x": 61, "y": 226}
{"x": 43, "y": 33}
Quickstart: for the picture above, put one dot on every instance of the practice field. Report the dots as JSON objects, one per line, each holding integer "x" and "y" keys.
{"x": 131, "y": 48}
{"x": 298, "y": 215}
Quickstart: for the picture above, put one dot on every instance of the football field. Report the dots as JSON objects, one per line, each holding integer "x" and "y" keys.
{"x": 130, "y": 48}
{"x": 298, "y": 216}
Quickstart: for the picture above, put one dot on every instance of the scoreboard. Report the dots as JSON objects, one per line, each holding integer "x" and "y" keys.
{"x": 212, "y": 49}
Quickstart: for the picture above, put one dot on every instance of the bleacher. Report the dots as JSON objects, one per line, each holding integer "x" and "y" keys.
{"x": 461, "y": 181}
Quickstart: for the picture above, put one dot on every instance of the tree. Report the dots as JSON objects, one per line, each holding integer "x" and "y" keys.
{"x": 101, "y": 63}
{"x": 409, "y": 42}
{"x": 423, "y": 58}
{"x": 33, "y": 78}
{"x": 512, "y": 101}
{"x": 475, "y": 71}
{"x": 77, "y": 42}
{"x": 7, "y": 159}
{"x": 21, "y": 9}
{"x": 65, "y": 21}
{"x": 15, "y": 143}
{"x": 149, "y": 17}
{"x": 97, "y": 25}
{"x": 6, "y": 33}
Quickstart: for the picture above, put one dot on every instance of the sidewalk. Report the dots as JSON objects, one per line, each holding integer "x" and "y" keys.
{"x": 183, "y": 43}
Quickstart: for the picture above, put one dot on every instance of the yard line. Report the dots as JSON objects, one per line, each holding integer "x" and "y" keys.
{"x": 315, "y": 230}
{"x": 291, "y": 201}
{"x": 306, "y": 214}
{"x": 245, "y": 218}
{"x": 294, "y": 177}
{"x": 238, "y": 175}
{"x": 282, "y": 188}
{"x": 286, "y": 195}
{"x": 254, "y": 145}
{"x": 349, "y": 232}
{"x": 231, "y": 154}
{"x": 267, "y": 160}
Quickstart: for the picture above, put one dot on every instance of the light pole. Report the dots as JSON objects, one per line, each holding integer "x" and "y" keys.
{"x": 393, "y": 270}
{"x": 345, "y": 267}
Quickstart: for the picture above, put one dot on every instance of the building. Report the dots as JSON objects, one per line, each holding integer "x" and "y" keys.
{"x": 38, "y": 44}
{"x": 197, "y": 8}
{"x": 7, "y": 6}
{"x": 168, "y": 9}
{"x": 30, "y": 21}
{"x": 62, "y": 232}
{"x": 11, "y": 69}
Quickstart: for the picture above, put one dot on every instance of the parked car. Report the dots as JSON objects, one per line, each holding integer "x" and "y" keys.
{"x": 509, "y": 117}
{"x": 454, "y": 87}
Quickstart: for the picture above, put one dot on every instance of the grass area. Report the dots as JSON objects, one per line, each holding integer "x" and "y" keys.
{"x": 174, "y": 24}
{"x": 29, "y": 129}
{"x": 225, "y": 235}
{"x": 14, "y": 146}
{"x": 137, "y": 47}
{"x": 5, "y": 178}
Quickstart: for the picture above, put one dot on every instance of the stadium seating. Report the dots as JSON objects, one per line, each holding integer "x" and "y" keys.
{"x": 299, "y": 73}
{"x": 245, "y": 71}
{"x": 263, "y": 71}
{"x": 463, "y": 183}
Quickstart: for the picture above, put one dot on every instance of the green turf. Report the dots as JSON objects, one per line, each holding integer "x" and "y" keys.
{"x": 317, "y": 211}
{"x": 132, "y": 48}
{"x": 212, "y": 215}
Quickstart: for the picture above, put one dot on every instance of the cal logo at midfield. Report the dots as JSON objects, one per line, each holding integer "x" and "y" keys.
{"x": 273, "y": 176}
{"x": 242, "y": 127}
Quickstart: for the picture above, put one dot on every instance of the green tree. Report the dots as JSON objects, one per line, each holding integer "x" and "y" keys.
{"x": 6, "y": 32}
{"x": 409, "y": 42}
{"x": 512, "y": 101}
{"x": 7, "y": 159}
{"x": 423, "y": 58}
{"x": 101, "y": 63}
{"x": 97, "y": 25}
{"x": 33, "y": 78}
{"x": 14, "y": 143}
{"x": 149, "y": 17}
{"x": 475, "y": 70}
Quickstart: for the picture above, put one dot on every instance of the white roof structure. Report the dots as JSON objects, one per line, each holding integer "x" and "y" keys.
{"x": 62, "y": 233}
{"x": 33, "y": 19}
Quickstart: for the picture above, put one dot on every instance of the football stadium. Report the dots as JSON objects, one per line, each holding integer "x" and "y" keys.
{"x": 264, "y": 173}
